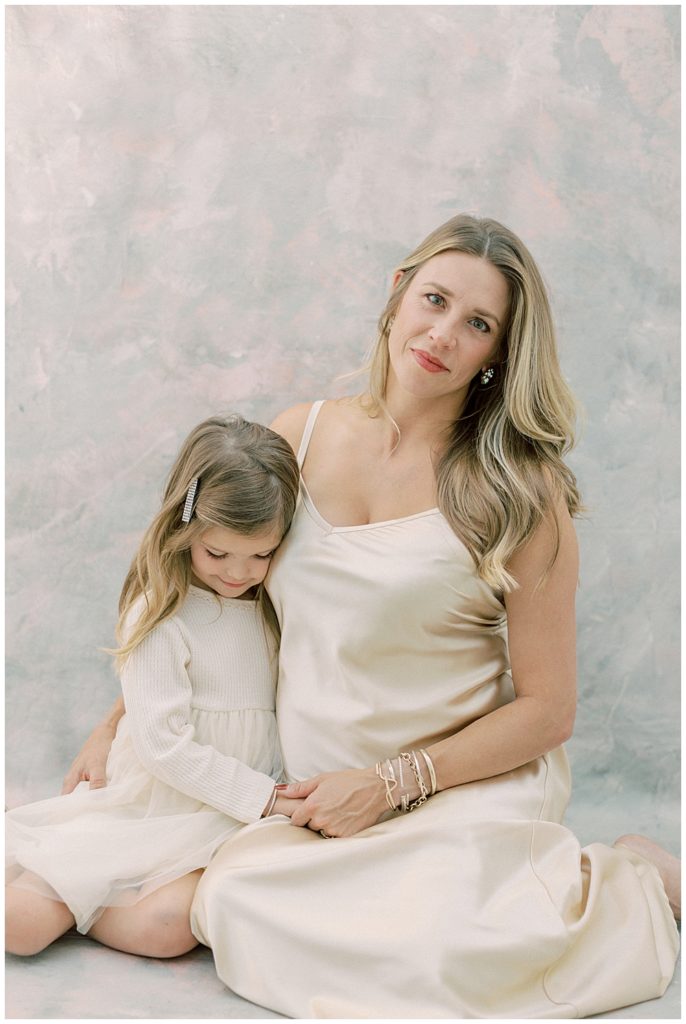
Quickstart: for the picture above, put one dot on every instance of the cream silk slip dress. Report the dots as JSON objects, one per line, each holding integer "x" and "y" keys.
{"x": 478, "y": 904}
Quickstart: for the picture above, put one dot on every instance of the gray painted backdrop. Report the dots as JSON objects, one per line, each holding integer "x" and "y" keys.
{"x": 205, "y": 205}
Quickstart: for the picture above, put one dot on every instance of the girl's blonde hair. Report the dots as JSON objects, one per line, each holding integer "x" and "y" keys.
{"x": 248, "y": 481}
{"x": 501, "y": 470}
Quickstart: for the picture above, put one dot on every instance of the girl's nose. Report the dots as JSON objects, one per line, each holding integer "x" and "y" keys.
{"x": 239, "y": 568}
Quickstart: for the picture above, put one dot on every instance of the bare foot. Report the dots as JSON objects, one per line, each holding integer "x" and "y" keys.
{"x": 668, "y": 866}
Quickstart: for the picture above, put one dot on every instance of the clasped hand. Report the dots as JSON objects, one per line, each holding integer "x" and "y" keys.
{"x": 338, "y": 803}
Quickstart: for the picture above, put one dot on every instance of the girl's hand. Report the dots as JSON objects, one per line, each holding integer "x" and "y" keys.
{"x": 284, "y": 805}
{"x": 338, "y": 803}
{"x": 90, "y": 763}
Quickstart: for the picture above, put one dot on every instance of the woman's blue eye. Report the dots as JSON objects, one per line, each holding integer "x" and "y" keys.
{"x": 480, "y": 325}
{"x": 440, "y": 300}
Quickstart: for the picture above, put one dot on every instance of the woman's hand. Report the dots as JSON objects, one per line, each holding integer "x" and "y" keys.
{"x": 338, "y": 803}
{"x": 90, "y": 763}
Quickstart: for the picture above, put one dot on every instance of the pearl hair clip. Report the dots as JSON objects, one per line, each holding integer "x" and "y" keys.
{"x": 190, "y": 498}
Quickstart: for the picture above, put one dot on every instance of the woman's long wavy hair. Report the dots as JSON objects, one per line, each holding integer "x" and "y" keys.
{"x": 247, "y": 482}
{"x": 501, "y": 470}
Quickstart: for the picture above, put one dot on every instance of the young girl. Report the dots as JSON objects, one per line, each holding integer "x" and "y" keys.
{"x": 196, "y": 753}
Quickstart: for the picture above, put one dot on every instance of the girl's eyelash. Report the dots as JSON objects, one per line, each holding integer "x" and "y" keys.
{"x": 434, "y": 295}
{"x": 212, "y": 554}
{"x": 480, "y": 329}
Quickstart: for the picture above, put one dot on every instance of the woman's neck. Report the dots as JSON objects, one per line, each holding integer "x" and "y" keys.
{"x": 421, "y": 421}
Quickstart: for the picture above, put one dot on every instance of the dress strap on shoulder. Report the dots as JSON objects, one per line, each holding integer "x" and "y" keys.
{"x": 307, "y": 432}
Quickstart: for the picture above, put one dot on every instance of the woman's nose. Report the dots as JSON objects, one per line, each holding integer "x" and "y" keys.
{"x": 444, "y": 334}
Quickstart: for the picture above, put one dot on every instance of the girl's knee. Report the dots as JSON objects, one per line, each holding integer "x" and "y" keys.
{"x": 158, "y": 926}
{"x": 23, "y": 941}
{"x": 168, "y": 918}
{"x": 164, "y": 929}
{"x": 32, "y": 923}
{"x": 22, "y": 944}
{"x": 170, "y": 938}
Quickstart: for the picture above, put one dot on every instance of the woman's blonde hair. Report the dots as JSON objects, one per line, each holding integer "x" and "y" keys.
{"x": 501, "y": 470}
{"x": 248, "y": 482}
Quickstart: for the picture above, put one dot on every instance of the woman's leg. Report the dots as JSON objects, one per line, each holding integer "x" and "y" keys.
{"x": 158, "y": 925}
{"x": 32, "y": 921}
{"x": 668, "y": 866}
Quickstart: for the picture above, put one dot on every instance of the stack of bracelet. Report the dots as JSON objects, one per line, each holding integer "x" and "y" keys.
{"x": 390, "y": 772}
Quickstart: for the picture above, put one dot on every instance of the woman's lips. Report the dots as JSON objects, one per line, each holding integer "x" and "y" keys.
{"x": 428, "y": 362}
{"x": 227, "y": 584}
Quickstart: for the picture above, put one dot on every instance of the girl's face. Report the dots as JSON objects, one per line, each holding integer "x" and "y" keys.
{"x": 231, "y": 563}
{"x": 448, "y": 326}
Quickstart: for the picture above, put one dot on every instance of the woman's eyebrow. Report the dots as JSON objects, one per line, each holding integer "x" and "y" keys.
{"x": 451, "y": 295}
{"x": 487, "y": 315}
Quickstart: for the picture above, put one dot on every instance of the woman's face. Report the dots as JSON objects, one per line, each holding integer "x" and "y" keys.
{"x": 448, "y": 326}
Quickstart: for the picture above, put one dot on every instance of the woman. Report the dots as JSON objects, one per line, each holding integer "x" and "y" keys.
{"x": 426, "y": 599}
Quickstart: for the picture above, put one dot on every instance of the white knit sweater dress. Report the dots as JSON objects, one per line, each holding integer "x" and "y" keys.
{"x": 195, "y": 756}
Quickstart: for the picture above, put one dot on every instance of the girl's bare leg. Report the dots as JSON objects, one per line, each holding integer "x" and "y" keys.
{"x": 668, "y": 866}
{"x": 32, "y": 921}
{"x": 158, "y": 925}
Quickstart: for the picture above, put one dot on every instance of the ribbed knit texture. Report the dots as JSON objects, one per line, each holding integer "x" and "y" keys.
{"x": 214, "y": 655}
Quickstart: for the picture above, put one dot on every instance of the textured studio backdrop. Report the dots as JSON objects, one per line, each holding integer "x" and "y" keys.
{"x": 204, "y": 207}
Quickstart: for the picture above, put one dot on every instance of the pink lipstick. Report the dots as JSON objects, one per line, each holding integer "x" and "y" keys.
{"x": 428, "y": 362}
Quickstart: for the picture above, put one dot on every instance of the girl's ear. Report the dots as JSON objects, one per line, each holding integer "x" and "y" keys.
{"x": 397, "y": 278}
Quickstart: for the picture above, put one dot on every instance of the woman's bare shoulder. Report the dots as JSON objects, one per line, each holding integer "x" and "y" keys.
{"x": 291, "y": 423}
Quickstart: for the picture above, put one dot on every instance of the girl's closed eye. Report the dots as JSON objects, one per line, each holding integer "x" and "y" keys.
{"x": 219, "y": 555}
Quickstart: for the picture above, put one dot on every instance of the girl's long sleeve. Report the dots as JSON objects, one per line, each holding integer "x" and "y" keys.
{"x": 159, "y": 695}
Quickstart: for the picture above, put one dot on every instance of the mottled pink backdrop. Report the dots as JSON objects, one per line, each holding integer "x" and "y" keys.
{"x": 205, "y": 205}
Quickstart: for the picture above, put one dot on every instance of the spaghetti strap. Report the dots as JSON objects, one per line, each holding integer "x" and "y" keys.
{"x": 307, "y": 432}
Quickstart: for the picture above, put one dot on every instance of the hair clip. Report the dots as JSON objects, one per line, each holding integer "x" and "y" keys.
{"x": 190, "y": 498}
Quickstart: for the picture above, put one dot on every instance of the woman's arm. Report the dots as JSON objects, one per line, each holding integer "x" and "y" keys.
{"x": 542, "y": 645}
{"x": 90, "y": 763}
{"x": 541, "y": 631}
